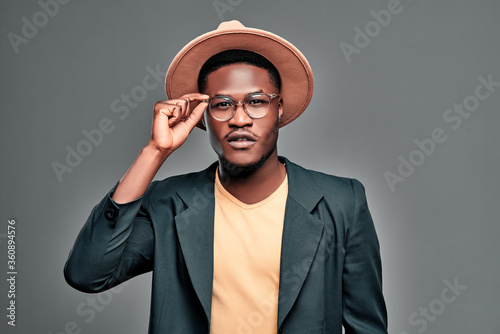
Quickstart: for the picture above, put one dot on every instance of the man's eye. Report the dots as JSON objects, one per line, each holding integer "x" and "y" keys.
{"x": 224, "y": 104}
{"x": 257, "y": 101}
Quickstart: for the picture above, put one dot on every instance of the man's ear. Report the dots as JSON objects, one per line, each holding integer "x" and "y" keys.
{"x": 280, "y": 108}
{"x": 203, "y": 118}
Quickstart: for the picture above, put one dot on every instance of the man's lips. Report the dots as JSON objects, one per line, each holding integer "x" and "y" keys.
{"x": 241, "y": 140}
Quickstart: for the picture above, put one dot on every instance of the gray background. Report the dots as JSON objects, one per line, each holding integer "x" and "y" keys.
{"x": 440, "y": 224}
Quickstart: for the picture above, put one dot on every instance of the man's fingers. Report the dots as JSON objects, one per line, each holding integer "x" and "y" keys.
{"x": 196, "y": 115}
{"x": 175, "y": 115}
{"x": 171, "y": 112}
{"x": 196, "y": 97}
{"x": 186, "y": 110}
{"x": 178, "y": 110}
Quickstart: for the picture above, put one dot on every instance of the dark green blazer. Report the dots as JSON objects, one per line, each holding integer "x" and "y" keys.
{"x": 330, "y": 272}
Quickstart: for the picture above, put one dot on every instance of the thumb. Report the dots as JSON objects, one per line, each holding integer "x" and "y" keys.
{"x": 196, "y": 115}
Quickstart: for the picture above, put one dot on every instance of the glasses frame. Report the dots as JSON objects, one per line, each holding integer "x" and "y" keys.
{"x": 271, "y": 96}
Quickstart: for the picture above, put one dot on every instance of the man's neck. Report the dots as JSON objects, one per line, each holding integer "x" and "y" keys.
{"x": 258, "y": 185}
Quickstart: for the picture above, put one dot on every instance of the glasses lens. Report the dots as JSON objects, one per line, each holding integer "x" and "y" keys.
{"x": 257, "y": 105}
{"x": 222, "y": 107}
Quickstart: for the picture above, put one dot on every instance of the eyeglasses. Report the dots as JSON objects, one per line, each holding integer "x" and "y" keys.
{"x": 256, "y": 105}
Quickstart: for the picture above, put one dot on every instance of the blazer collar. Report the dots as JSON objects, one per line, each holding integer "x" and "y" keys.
{"x": 302, "y": 233}
{"x": 195, "y": 230}
{"x": 301, "y": 186}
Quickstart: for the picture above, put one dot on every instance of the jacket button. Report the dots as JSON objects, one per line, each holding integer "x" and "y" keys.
{"x": 110, "y": 213}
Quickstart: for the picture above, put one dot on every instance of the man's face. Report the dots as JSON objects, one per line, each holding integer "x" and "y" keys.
{"x": 243, "y": 140}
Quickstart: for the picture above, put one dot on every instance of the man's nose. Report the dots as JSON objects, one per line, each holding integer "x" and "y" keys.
{"x": 240, "y": 118}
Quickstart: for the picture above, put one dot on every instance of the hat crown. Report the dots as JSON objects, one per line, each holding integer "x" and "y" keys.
{"x": 233, "y": 24}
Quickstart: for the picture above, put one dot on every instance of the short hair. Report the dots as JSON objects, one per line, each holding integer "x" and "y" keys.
{"x": 229, "y": 57}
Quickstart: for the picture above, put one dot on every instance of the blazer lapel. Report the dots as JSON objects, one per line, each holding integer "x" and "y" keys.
{"x": 195, "y": 231}
{"x": 302, "y": 233}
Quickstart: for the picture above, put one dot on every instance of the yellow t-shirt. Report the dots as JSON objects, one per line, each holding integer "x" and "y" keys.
{"x": 247, "y": 251}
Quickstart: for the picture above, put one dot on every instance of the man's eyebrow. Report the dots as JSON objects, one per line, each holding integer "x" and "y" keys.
{"x": 259, "y": 91}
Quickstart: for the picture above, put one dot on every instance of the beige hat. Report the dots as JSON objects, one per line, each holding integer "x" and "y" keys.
{"x": 297, "y": 81}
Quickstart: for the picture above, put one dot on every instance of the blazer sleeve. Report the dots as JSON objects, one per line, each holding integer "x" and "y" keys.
{"x": 364, "y": 310}
{"x": 115, "y": 244}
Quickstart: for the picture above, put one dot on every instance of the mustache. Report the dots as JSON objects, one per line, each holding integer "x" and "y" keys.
{"x": 241, "y": 130}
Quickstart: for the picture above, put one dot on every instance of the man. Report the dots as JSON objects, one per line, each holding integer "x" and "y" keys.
{"x": 254, "y": 243}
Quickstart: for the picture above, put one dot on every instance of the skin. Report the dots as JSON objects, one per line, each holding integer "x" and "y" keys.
{"x": 237, "y": 81}
{"x": 174, "y": 120}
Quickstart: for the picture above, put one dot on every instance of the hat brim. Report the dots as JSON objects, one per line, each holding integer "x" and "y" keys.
{"x": 297, "y": 81}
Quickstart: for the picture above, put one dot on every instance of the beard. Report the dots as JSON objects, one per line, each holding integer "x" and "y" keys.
{"x": 243, "y": 171}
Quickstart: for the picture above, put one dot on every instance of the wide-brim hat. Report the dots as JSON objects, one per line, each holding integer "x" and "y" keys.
{"x": 297, "y": 81}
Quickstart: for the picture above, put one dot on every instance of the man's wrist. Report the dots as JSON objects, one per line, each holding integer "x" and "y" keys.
{"x": 156, "y": 153}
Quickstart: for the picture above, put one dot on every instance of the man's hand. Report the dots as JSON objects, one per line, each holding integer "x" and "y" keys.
{"x": 172, "y": 122}
{"x": 174, "y": 119}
